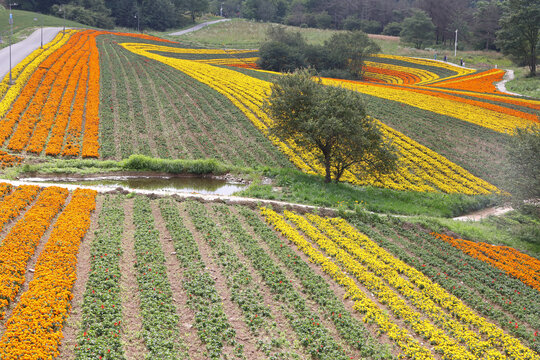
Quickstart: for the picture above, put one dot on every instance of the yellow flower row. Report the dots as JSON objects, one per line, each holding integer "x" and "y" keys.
{"x": 424, "y": 75}
{"x": 421, "y": 170}
{"x": 491, "y": 119}
{"x": 228, "y": 61}
{"x": 25, "y": 68}
{"x": 34, "y": 330}
{"x": 409, "y": 346}
{"x": 449, "y": 347}
{"x": 430, "y": 297}
{"x": 174, "y": 50}
{"x": 460, "y": 71}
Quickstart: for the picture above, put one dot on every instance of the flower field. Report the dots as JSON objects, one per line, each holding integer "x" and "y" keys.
{"x": 107, "y": 276}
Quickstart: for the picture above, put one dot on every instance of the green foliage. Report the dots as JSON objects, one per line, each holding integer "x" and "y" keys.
{"x": 177, "y": 166}
{"x": 342, "y": 55}
{"x": 524, "y": 161}
{"x": 520, "y": 32}
{"x": 417, "y": 29}
{"x": 90, "y": 12}
{"x": 332, "y": 120}
{"x": 392, "y": 29}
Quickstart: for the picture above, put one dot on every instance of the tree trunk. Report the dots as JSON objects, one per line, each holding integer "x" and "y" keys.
{"x": 533, "y": 59}
{"x": 328, "y": 175}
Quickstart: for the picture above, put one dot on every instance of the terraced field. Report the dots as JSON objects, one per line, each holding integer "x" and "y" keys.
{"x": 122, "y": 277}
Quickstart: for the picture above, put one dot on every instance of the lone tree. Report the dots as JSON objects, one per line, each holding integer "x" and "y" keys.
{"x": 520, "y": 31}
{"x": 330, "y": 122}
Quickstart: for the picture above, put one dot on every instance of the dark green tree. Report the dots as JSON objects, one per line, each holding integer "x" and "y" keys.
{"x": 330, "y": 122}
{"x": 417, "y": 29}
{"x": 282, "y": 51}
{"x": 520, "y": 30}
{"x": 486, "y": 22}
{"x": 348, "y": 50}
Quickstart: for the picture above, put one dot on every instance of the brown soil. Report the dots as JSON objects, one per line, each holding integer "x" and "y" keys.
{"x": 175, "y": 277}
{"x": 384, "y": 37}
{"x": 233, "y": 312}
{"x": 73, "y": 322}
{"x": 30, "y": 266}
{"x": 134, "y": 346}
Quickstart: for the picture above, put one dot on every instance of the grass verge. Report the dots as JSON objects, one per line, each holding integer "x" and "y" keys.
{"x": 524, "y": 84}
{"x": 288, "y": 185}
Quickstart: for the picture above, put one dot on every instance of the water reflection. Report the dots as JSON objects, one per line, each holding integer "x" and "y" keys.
{"x": 200, "y": 185}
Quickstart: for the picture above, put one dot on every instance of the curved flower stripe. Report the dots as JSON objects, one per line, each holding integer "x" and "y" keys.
{"x": 460, "y": 71}
{"x": 511, "y": 261}
{"x": 7, "y": 160}
{"x": 362, "y": 303}
{"x": 34, "y": 330}
{"x": 433, "y": 102}
{"x": 12, "y": 205}
{"x": 429, "y": 297}
{"x": 228, "y": 61}
{"x": 408, "y": 74}
{"x": 21, "y": 242}
{"x": 422, "y": 169}
{"x": 483, "y": 82}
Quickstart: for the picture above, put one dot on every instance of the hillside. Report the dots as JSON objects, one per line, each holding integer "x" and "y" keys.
{"x": 294, "y": 268}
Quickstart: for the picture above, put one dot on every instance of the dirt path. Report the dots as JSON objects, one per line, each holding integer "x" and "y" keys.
{"x": 484, "y": 213}
{"x": 501, "y": 86}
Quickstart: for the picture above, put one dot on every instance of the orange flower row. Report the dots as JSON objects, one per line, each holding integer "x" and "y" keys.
{"x": 90, "y": 147}
{"x": 406, "y": 78}
{"x": 5, "y": 188}
{"x": 483, "y": 82}
{"x": 21, "y": 242}
{"x": 38, "y": 80}
{"x": 7, "y": 160}
{"x": 34, "y": 331}
{"x": 448, "y": 96}
{"x": 36, "y": 122}
{"x": 12, "y": 205}
{"x": 245, "y": 65}
{"x": 511, "y": 261}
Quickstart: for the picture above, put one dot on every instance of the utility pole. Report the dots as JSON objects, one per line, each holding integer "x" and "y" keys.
{"x": 221, "y": 10}
{"x": 36, "y": 19}
{"x": 455, "y": 45}
{"x": 138, "y": 20}
{"x": 11, "y": 40}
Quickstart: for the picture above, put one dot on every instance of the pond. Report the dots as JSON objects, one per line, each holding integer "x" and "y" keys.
{"x": 184, "y": 184}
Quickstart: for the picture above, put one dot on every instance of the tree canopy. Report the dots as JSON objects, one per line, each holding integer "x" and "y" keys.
{"x": 520, "y": 31}
{"x": 417, "y": 29}
{"x": 331, "y": 123}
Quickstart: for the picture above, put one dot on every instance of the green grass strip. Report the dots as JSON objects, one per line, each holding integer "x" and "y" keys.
{"x": 211, "y": 322}
{"x": 100, "y": 335}
{"x": 159, "y": 318}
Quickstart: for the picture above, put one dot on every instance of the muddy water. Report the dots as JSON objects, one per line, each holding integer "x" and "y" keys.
{"x": 199, "y": 185}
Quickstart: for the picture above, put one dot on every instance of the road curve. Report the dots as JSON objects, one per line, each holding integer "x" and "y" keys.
{"x": 198, "y": 27}
{"x": 24, "y": 48}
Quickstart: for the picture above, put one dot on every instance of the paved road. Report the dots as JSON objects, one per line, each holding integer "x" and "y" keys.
{"x": 198, "y": 27}
{"x": 23, "y": 48}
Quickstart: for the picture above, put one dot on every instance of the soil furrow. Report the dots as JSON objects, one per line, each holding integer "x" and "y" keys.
{"x": 175, "y": 276}
{"x": 73, "y": 322}
{"x": 134, "y": 346}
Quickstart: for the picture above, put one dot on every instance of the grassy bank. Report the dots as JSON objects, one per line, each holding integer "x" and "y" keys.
{"x": 24, "y": 24}
{"x": 289, "y": 185}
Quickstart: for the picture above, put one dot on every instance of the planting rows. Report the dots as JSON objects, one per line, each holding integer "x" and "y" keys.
{"x": 42, "y": 230}
{"x": 54, "y": 107}
{"x": 186, "y": 280}
{"x": 423, "y": 169}
{"x": 177, "y": 117}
